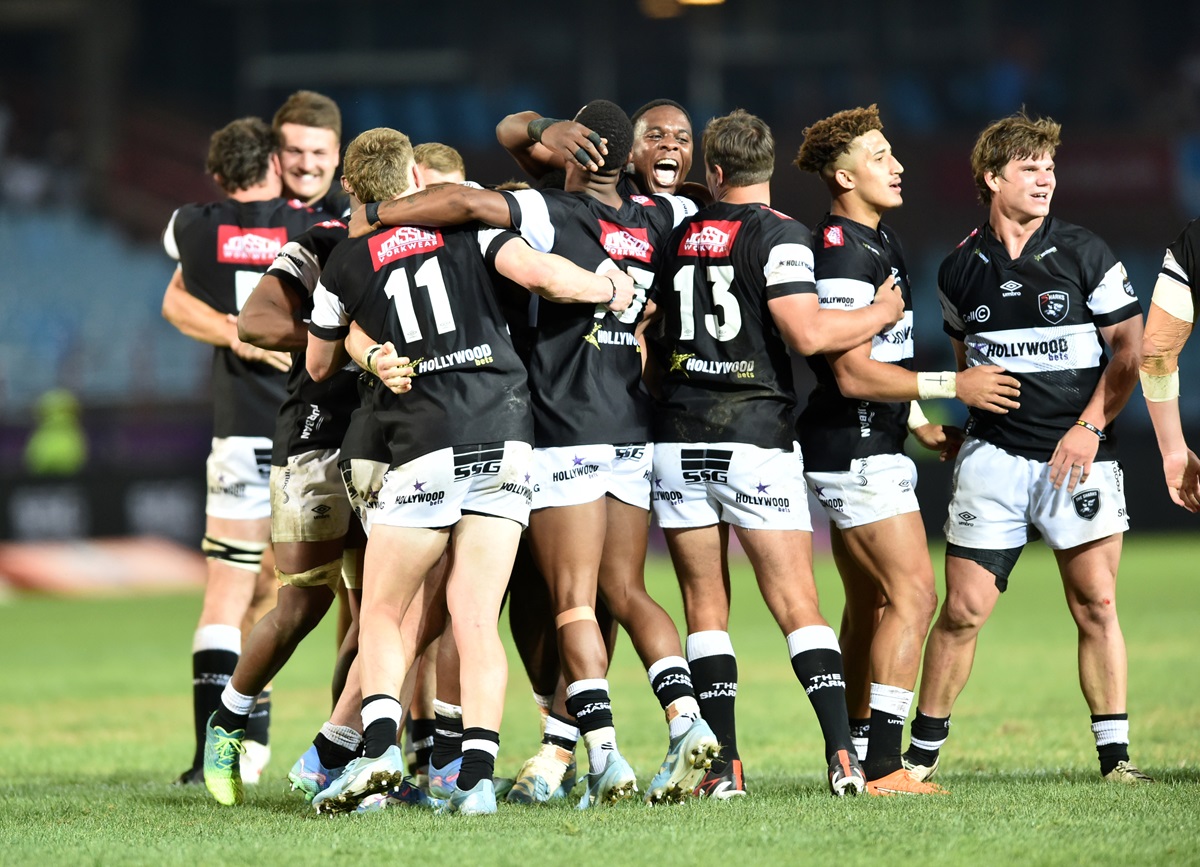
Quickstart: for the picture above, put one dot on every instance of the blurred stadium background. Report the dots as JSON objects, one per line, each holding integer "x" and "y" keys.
{"x": 106, "y": 107}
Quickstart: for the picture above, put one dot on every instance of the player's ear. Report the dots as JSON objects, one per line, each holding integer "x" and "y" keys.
{"x": 417, "y": 176}
{"x": 276, "y": 165}
{"x": 843, "y": 179}
{"x": 992, "y": 179}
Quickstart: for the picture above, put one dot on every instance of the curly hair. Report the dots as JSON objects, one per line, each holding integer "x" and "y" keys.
{"x": 378, "y": 163}
{"x": 828, "y": 140}
{"x": 239, "y": 153}
{"x": 612, "y": 123}
{"x": 1016, "y": 137}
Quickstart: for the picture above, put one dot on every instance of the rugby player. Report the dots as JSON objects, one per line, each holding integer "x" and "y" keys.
{"x": 852, "y": 436}
{"x": 223, "y": 248}
{"x": 460, "y": 459}
{"x": 1042, "y": 299}
{"x": 735, "y": 290}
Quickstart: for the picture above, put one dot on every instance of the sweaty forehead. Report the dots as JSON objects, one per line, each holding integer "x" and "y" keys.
{"x": 664, "y": 117}
{"x": 294, "y": 135}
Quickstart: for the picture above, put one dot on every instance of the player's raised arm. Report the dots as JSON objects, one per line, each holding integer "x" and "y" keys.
{"x": 542, "y": 144}
{"x": 558, "y": 279}
{"x": 441, "y": 205}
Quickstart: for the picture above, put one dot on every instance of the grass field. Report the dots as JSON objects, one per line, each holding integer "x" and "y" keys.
{"x": 95, "y": 721}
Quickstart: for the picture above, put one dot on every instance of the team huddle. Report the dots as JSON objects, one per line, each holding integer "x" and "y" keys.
{"x": 458, "y": 396}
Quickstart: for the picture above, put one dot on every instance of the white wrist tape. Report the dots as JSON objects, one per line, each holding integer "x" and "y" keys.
{"x": 1174, "y": 298}
{"x": 930, "y": 385}
{"x": 916, "y": 418}
{"x": 1158, "y": 389}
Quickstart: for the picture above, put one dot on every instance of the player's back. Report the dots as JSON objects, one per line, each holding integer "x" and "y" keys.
{"x": 727, "y": 372}
{"x": 429, "y": 292}
{"x": 223, "y": 249}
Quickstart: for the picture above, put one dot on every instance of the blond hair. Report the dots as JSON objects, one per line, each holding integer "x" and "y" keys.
{"x": 378, "y": 164}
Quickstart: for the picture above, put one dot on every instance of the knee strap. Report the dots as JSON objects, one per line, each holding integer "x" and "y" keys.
{"x": 999, "y": 562}
{"x": 235, "y": 552}
{"x": 326, "y": 575}
{"x": 572, "y": 615}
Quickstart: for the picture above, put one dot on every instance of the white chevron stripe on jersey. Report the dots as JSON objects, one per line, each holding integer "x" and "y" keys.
{"x": 789, "y": 263}
{"x": 1113, "y": 293}
{"x": 1037, "y": 350}
{"x": 895, "y": 344}
{"x": 1171, "y": 268}
{"x": 535, "y": 227}
{"x": 843, "y": 293}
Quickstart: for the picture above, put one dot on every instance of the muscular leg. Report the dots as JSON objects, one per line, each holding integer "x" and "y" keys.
{"x": 860, "y": 614}
{"x": 893, "y": 553}
{"x": 1089, "y": 575}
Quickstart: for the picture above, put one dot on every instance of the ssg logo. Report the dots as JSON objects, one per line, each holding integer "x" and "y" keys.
{"x": 477, "y": 461}
{"x": 705, "y": 465}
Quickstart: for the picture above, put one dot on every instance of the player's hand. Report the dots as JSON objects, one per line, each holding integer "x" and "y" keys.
{"x": 624, "y": 286}
{"x": 249, "y": 352}
{"x": 574, "y": 141}
{"x": 889, "y": 299}
{"x": 394, "y": 371}
{"x": 1182, "y": 472}
{"x": 988, "y": 387}
{"x": 1073, "y": 456}
{"x": 944, "y": 439}
{"x": 358, "y": 223}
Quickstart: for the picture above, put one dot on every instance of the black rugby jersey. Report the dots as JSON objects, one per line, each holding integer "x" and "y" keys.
{"x": 1037, "y": 317}
{"x": 224, "y": 248}
{"x": 851, "y": 262}
{"x": 315, "y": 414}
{"x": 429, "y": 291}
{"x": 727, "y": 376}
{"x": 585, "y": 365}
{"x": 1182, "y": 260}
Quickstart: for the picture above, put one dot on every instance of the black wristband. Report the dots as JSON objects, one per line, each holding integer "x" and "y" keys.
{"x": 612, "y": 283}
{"x": 1089, "y": 426}
{"x": 372, "y": 209}
{"x": 538, "y": 125}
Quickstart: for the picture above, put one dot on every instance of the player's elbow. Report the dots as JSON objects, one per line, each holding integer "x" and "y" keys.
{"x": 317, "y": 368}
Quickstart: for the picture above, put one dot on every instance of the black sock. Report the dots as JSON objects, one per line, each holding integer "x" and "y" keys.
{"x": 819, "y": 671}
{"x": 592, "y": 710}
{"x": 422, "y": 742}
{"x": 883, "y": 744}
{"x": 671, "y": 684}
{"x": 928, "y": 733}
{"x": 381, "y": 733}
{"x": 860, "y": 732}
{"x": 715, "y": 680}
{"x": 477, "y": 764}
{"x": 211, "y": 670}
{"x": 1111, "y": 754}
{"x": 333, "y": 755}
{"x": 447, "y": 740}
{"x": 258, "y": 728}
{"x": 228, "y": 720}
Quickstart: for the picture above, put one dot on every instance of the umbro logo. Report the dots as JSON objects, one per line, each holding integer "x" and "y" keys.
{"x": 322, "y": 511}
{"x": 966, "y": 518}
{"x": 1011, "y": 289}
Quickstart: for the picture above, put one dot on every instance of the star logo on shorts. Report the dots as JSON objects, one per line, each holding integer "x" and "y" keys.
{"x": 819, "y": 490}
{"x": 657, "y": 482}
{"x": 418, "y": 486}
{"x": 762, "y": 489}
{"x": 576, "y": 461}
{"x": 527, "y": 478}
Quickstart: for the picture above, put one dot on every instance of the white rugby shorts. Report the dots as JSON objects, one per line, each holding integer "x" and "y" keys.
{"x": 435, "y": 489}
{"x": 238, "y": 471}
{"x": 875, "y": 488}
{"x": 308, "y": 498}
{"x": 1001, "y": 500}
{"x": 571, "y": 475}
{"x": 700, "y": 484}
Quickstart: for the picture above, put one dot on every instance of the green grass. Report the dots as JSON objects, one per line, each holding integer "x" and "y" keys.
{"x": 95, "y": 721}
